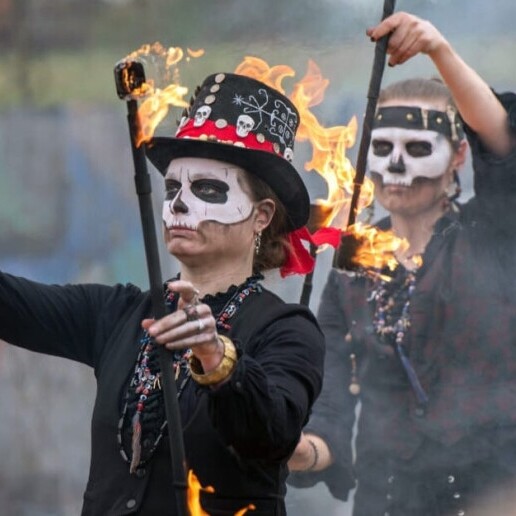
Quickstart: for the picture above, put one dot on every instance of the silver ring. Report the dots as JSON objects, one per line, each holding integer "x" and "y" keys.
{"x": 200, "y": 325}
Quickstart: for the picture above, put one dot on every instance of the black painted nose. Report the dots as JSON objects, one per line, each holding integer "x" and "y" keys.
{"x": 178, "y": 206}
{"x": 397, "y": 167}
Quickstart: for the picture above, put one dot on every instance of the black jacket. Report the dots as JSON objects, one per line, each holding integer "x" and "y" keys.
{"x": 461, "y": 342}
{"x": 237, "y": 438}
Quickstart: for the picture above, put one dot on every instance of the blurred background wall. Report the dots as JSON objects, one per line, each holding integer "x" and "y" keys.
{"x": 68, "y": 212}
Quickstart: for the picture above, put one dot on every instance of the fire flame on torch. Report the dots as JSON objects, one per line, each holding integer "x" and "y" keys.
{"x": 194, "y": 499}
{"x": 375, "y": 248}
{"x": 157, "y": 101}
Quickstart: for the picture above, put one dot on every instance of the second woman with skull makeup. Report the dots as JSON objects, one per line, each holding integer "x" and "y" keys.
{"x": 428, "y": 352}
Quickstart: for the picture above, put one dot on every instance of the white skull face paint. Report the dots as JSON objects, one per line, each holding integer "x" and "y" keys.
{"x": 200, "y": 189}
{"x": 400, "y": 155}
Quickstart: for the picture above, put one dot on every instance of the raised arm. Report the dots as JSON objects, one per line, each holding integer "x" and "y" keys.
{"x": 475, "y": 100}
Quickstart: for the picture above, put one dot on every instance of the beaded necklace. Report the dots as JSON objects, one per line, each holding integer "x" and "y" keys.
{"x": 391, "y": 328}
{"x": 146, "y": 379}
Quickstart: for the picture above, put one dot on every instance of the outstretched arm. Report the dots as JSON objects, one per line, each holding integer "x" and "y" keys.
{"x": 475, "y": 100}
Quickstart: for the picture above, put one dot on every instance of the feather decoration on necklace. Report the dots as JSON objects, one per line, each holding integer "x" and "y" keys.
{"x": 136, "y": 446}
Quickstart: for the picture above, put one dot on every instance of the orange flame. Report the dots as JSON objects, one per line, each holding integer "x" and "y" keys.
{"x": 157, "y": 101}
{"x": 243, "y": 511}
{"x": 169, "y": 57}
{"x": 195, "y": 53}
{"x": 258, "y": 69}
{"x": 193, "y": 497}
{"x": 329, "y": 144}
{"x": 377, "y": 248}
{"x": 155, "y": 108}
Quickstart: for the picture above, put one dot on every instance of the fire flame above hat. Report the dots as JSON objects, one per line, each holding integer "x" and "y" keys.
{"x": 329, "y": 144}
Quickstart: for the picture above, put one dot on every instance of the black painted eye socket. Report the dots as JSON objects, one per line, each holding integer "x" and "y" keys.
{"x": 381, "y": 148}
{"x": 210, "y": 190}
{"x": 172, "y": 188}
{"x": 419, "y": 149}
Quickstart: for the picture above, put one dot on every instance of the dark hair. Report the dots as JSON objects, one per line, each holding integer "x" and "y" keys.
{"x": 274, "y": 241}
{"x": 419, "y": 89}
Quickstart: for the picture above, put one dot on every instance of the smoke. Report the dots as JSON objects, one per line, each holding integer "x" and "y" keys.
{"x": 96, "y": 157}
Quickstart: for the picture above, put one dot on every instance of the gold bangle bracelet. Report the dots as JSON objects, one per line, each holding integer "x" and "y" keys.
{"x": 222, "y": 371}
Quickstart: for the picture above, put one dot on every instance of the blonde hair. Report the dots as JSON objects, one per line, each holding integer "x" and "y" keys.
{"x": 417, "y": 89}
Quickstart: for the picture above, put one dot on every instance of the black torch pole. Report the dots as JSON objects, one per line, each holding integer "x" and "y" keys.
{"x": 128, "y": 77}
{"x": 306, "y": 291}
{"x": 380, "y": 53}
{"x": 316, "y": 220}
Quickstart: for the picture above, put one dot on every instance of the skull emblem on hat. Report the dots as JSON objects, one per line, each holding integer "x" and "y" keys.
{"x": 201, "y": 115}
{"x": 244, "y": 126}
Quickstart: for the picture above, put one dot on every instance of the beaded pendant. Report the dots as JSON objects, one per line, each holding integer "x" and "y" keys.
{"x": 146, "y": 380}
{"x": 387, "y": 328}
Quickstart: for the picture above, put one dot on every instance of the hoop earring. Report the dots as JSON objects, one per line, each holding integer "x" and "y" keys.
{"x": 257, "y": 242}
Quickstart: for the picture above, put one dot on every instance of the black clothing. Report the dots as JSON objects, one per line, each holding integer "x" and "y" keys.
{"x": 461, "y": 342}
{"x": 237, "y": 437}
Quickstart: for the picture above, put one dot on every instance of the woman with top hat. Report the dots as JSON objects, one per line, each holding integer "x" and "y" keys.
{"x": 247, "y": 365}
{"x": 429, "y": 349}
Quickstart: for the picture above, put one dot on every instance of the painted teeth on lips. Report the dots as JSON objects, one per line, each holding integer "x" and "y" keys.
{"x": 182, "y": 225}
{"x": 397, "y": 182}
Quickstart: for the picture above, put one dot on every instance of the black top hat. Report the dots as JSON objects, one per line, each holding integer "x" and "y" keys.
{"x": 240, "y": 120}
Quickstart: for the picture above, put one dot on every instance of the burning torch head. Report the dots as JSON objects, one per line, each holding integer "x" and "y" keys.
{"x": 240, "y": 120}
{"x": 129, "y": 79}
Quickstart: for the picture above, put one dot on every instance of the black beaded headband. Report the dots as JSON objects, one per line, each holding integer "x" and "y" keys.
{"x": 446, "y": 122}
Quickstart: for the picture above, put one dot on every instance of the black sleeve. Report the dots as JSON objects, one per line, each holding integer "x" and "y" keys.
{"x": 261, "y": 410}
{"x": 495, "y": 177}
{"x": 70, "y": 321}
{"x": 333, "y": 414}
